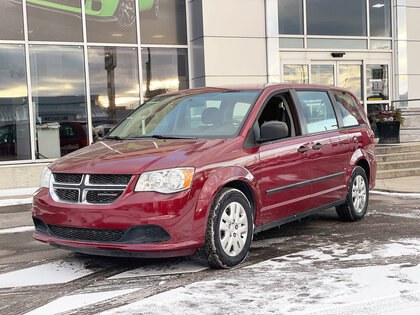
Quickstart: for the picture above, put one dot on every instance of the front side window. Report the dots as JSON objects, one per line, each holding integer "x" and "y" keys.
{"x": 201, "y": 115}
{"x": 336, "y": 17}
{"x": 349, "y": 109}
{"x": 318, "y": 111}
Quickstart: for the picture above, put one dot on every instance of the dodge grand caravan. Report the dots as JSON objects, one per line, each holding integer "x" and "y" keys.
{"x": 200, "y": 171}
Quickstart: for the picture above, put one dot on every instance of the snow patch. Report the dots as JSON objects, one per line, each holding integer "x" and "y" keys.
{"x": 280, "y": 286}
{"x": 50, "y": 273}
{"x": 67, "y": 303}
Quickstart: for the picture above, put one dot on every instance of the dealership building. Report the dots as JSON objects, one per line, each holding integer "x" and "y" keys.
{"x": 71, "y": 69}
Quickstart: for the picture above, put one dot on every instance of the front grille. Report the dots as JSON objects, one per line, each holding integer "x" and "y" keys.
{"x": 106, "y": 179}
{"x": 102, "y": 197}
{"x": 86, "y": 234}
{"x": 89, "y": 188}
{"x": 68, "y": 178}
{"x": 71, "y": 195}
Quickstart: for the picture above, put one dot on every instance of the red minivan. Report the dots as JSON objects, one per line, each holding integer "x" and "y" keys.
{"x": 200, "y": 171}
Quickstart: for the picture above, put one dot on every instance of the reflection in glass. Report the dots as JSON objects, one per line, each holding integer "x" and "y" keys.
{"x": 380, "y": 17}
{"x": 337, "y": 17}
{"x": 377, "y": 82}
{"x": 163, "y": 22}
{"x": 350, "y": 111}
{"x": 323, "y": 43}
{"x": 318, "y": 111}
{"x": 164, "y": 70}
{"x": 350, "y": 77}
{"x": 58, "y": 99}
{"x": 14, "y": 117}
{"x": 114, "y": 86}
{"x": 379, "y": 44}
{"x": 295, "y": 74}
{"x": 58, "y": 20}
{"x": 11, "y": 22}
{"x": 287, "y": 42}
{"x": 290, "y": 17}
{"x": 322, "y": 74}
{"x": 373, "y": 112}
{"x": 111, "y": 21}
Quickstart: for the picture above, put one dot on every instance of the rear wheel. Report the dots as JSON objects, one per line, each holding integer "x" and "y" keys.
{"x": 357, "y": 198}
{"x": 229, "y": 230}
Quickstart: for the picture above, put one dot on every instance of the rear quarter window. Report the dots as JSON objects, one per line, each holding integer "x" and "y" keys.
{"x": 350, "y": 110}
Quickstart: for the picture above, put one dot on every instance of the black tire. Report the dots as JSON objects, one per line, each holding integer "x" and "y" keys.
{"x": 347, "y": 211}
{"x": 212, "y": 253}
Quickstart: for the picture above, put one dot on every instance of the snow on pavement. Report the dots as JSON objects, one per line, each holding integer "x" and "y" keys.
{"x": 322, "y": 280}
{"x": 50, "y": 273}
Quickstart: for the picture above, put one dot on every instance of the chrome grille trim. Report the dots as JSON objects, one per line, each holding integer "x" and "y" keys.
{"x": 84, "y": 187}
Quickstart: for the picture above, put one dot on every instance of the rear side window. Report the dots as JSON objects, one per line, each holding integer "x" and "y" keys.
{"x": 318, "y": 111}
{"x": 350, "y": 110}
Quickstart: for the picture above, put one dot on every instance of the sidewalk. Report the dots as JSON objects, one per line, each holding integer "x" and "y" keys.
{"x": 410, "y": 184}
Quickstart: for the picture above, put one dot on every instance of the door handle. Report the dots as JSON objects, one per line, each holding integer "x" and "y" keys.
{"x": 317, "y": 146}
{"x": 303, "y": 149}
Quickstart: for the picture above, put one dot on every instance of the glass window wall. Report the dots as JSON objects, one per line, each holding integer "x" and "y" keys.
{"x": 11, "y": 21}
{"x": 337, "y": 17}
{"x": 322, "y": 74}
{"x": 111, "y": 21}
{"x": 295, "y": 74}
{"x": 164, "y": 70}
{"x": 58, "y": 99}
{"x": 290, "y": 17}
{"x": 380, "y": 18}
{"x": 163, "y": 22}
{"x": 15, "y": 143}
{"x": 377, "y": 82}
{"x": 114, "y": 86}
{"x": 58, "y": 20}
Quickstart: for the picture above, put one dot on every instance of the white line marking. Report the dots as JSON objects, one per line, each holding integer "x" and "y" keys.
{"x": 13, "y": 202}
{"x": 71, "y": 302}
{"x": 394, "y": 194}
{"x": 17, "y": 191}
{"x": 50, "y": 273}
{"x": 17, "y": 229}
{"x": 171, "y": 268}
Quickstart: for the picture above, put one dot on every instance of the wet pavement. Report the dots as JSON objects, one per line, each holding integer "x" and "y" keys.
{"x": 317, "y": 265}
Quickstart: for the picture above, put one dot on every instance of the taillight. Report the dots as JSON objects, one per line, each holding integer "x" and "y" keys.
{"x": 84, "y": 142}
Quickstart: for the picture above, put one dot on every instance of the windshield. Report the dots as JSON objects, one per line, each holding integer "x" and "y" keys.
{"x": 202, "y": 115}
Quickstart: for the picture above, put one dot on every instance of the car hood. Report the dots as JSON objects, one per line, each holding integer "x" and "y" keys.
{"x": 134, "y": 156}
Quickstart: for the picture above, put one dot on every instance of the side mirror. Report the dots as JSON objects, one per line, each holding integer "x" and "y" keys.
{"x": 273, "y": 130}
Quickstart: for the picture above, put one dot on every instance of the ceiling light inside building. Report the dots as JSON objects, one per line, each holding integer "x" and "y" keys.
{"x": 378, "y": 5}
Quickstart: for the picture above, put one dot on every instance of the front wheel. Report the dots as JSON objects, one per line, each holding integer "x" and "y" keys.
{"x": 357, "y": 199}
{"x": 229, "y": 230}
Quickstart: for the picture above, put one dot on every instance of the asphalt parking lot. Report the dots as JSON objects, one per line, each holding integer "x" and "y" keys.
{"x": 317, "y": 265}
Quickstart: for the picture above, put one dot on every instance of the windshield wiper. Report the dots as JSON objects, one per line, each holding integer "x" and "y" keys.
{"x": 171, "y": 137}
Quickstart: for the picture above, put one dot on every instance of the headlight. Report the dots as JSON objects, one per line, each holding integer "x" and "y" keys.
{"x": 166, "y": 181}
{"x": 46, "y": 177}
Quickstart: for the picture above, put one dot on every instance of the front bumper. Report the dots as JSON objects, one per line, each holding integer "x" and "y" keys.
{"x": 133, "y": 211}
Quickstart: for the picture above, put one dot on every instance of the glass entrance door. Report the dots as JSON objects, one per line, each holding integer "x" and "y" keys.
{"x": 345, "y": 74}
